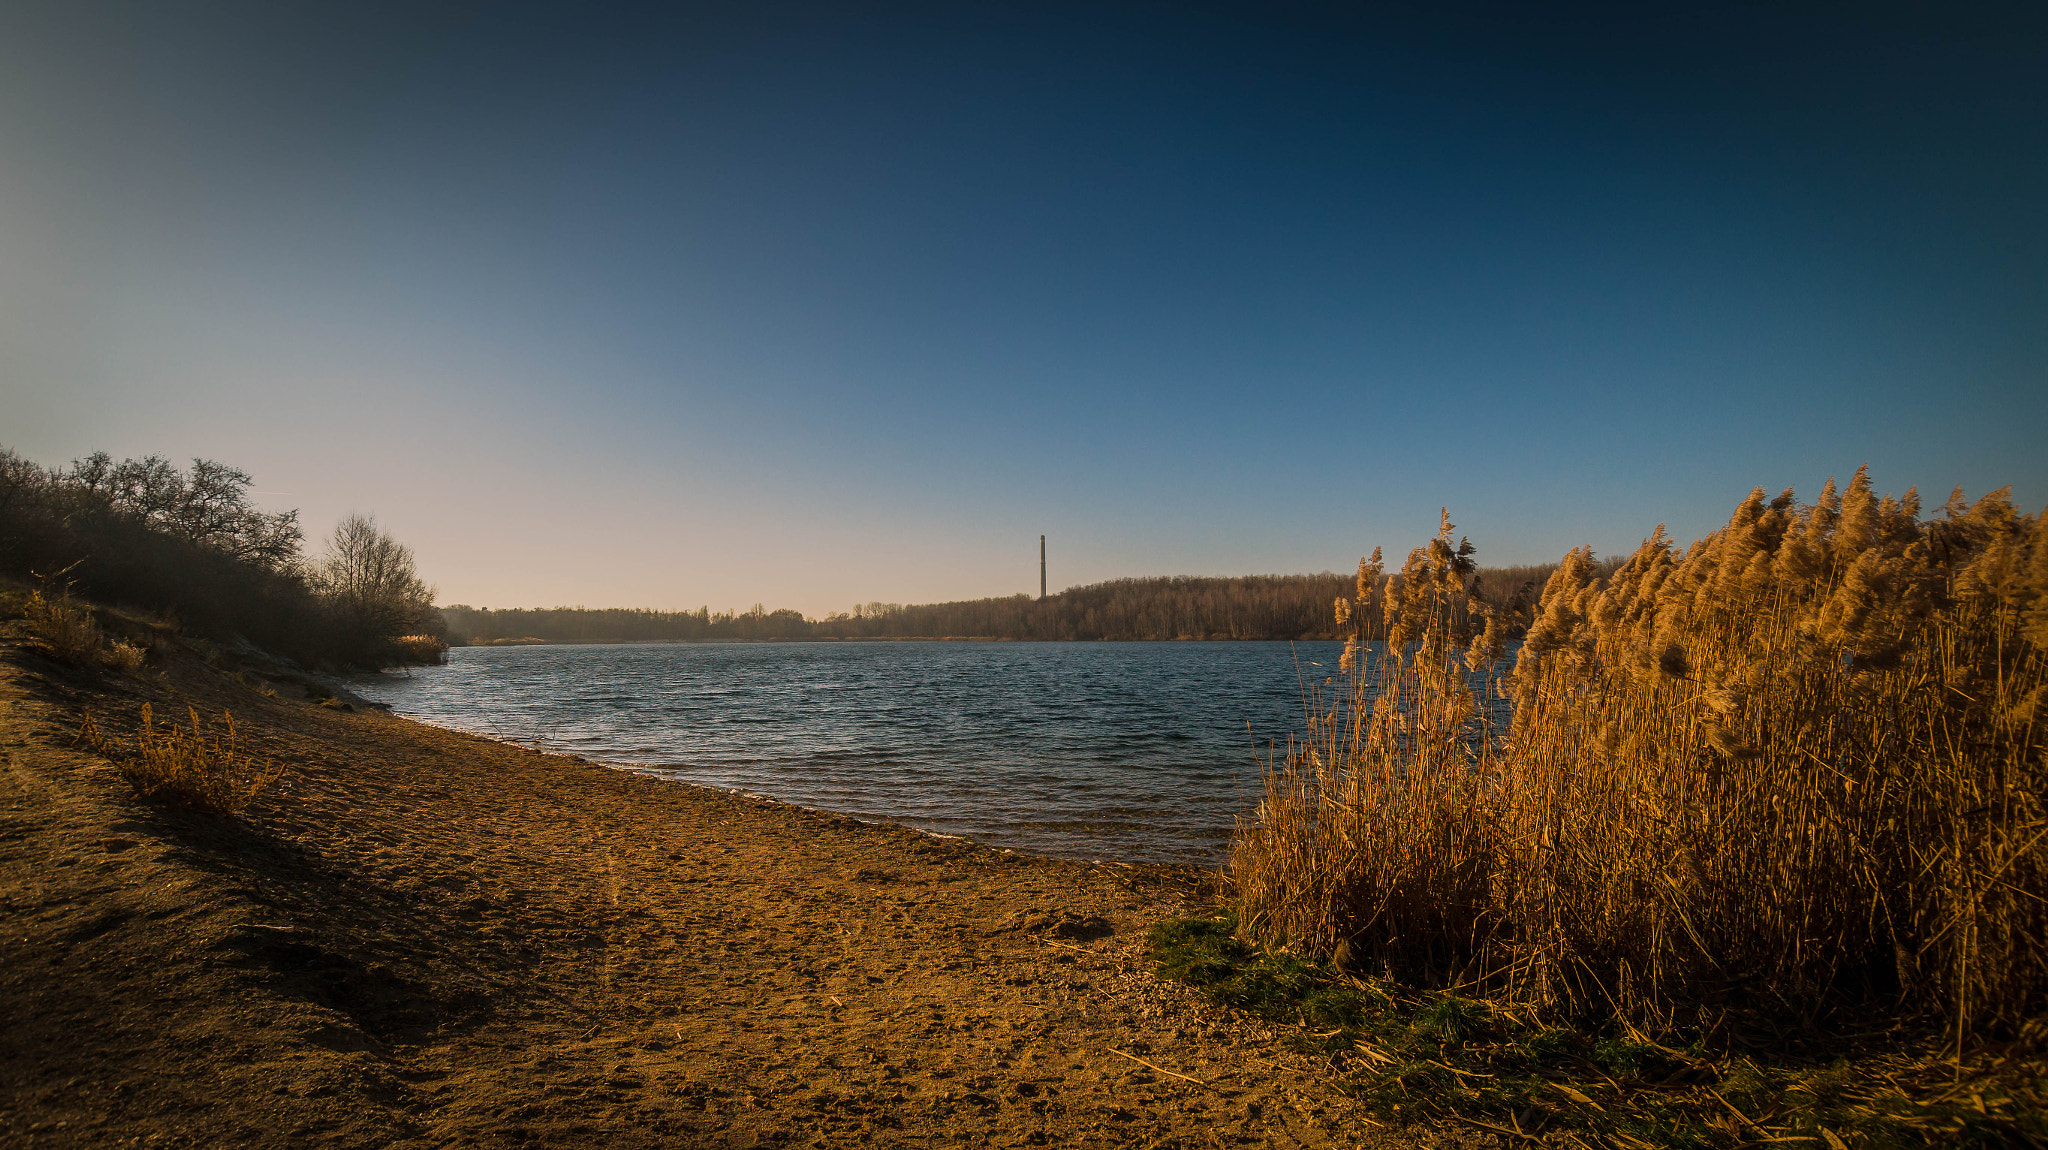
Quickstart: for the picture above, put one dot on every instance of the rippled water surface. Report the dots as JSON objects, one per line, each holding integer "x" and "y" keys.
{"x": 1133, "y": 751}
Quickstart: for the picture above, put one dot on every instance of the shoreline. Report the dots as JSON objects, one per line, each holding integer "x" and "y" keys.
{"x": 428, "y": 937}
{"x": 868, "y": 639}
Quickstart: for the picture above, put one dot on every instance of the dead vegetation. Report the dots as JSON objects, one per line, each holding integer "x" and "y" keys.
{"x": 189, "y": 767}
{"x": 420, "y": 650}
{"x": 1798, "y": 762}
{"x": 64, "y": 629}
{"x": 145, "y": 537}
{"x": 1783, "y": 784}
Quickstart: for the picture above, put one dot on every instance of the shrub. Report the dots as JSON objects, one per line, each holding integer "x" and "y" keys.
{"x": 420, "y": 650}
{"x": 1797, "y": 763}
{"x": 124, "y": 657}
{"x": 187, "y": 767}
{"x": 190, "y": 545}
{"x": 63, "y": 629}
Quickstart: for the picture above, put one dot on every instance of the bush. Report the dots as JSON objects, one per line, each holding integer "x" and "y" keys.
{"x": 124, "y": 657}
{"x": 420, "y": 650}
{"x": 188, "y": 768}
{"x": 63, "y": 629}
{"x": 67, "y": 631}
{"x": 188, "y": 544}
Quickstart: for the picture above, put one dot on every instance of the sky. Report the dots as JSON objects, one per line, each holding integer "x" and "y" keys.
{"x": 813, "y": 305}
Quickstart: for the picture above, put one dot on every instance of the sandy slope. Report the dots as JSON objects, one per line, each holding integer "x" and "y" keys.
{"x": 431, "y": 939}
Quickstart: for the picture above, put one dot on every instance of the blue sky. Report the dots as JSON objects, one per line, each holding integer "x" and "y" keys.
{"x": 820, "y": 304}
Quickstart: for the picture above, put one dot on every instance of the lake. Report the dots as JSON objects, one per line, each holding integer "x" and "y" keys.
{"x": 1137, "y": 752}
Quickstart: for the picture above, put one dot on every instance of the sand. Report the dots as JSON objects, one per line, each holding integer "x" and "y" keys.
{"x": 424, "y": 938}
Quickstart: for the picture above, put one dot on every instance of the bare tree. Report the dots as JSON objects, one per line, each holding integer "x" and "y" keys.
{"x": 209, "y": 505}
{"x": 372, "y": 581}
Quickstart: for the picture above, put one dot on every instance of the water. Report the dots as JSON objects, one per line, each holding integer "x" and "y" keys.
{"x": 1140, "y": 752}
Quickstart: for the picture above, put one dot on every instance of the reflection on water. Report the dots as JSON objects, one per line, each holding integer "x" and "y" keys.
{"x": 1131, "y": 751}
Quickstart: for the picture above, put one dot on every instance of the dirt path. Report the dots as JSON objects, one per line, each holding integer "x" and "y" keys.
{"x": 430, "y": 939}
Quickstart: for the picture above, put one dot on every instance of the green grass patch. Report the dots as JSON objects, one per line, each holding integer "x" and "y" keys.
{"x": 1414, "y": 1055}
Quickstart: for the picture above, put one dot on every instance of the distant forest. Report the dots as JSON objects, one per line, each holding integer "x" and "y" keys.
{"x": 1165, "y": 607}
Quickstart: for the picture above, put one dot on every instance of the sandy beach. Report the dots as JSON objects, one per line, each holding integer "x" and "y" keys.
{"x": 425, "y": 938}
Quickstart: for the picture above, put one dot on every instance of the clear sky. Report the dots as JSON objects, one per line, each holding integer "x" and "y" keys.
{"x": 820, "y": 304}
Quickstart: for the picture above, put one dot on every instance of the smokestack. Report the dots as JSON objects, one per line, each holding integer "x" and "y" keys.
{"x": 1041, "y": 567}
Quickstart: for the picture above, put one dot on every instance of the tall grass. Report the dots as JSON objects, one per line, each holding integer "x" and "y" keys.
{"x": 1797, "y": 765}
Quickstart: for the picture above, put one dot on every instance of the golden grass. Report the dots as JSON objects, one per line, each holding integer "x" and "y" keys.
{"x": 1794, "y": 766}
{"x": 63, "y": 629}
{"x": 421, "y": 649}
{"x": 187, "y": 767}
{"x": 123, "y": 656}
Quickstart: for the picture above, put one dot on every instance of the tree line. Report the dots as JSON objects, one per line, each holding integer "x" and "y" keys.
{"x": 1161, "y": 607}
{"x": 187, "y": 544}
{"x": 482, "y": 625}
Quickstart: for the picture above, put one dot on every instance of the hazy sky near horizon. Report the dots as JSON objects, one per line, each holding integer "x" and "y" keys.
{"x": 818, "y": 304}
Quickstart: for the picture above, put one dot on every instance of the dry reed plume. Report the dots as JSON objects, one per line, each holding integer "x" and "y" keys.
{"x": 420, "y": 650}
{"x": 1797, "y": 764}
{"x": 187, "y": 767}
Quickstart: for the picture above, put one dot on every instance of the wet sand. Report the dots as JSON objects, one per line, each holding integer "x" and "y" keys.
{"x": 424, "y": 938}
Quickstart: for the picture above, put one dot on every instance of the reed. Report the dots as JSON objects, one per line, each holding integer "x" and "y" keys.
{"x": 1796, "y": 766}
{"x": 420, "y": 650}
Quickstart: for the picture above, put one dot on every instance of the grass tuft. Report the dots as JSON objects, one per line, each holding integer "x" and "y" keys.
{"x": 188, "y": 767}
{"x": 63, "y": 629}
{"x": 124, "y": 657}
